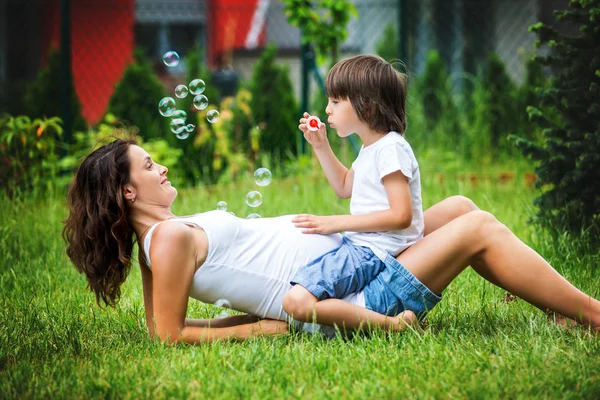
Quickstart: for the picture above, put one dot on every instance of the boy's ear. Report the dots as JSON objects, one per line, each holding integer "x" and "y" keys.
{"x": 370, "y": 110}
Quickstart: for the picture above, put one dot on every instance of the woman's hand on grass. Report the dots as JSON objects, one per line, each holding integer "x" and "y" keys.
{"x": 273, "y": 327}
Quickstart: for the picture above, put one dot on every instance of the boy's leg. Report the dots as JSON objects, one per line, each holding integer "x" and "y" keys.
{"x": 348, "y": 269}
{"x": 304, "y": 306}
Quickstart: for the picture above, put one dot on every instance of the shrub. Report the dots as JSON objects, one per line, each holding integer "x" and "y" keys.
{"x": 569, "y": 156}
{"x": 28, "y": 153}
{"x": 274, "y": 105}
{"x": 42, "y": 96}
{"x": 135, "y": 100}
{"x": 107, "y": 131}
{"x": 229, "y": 147}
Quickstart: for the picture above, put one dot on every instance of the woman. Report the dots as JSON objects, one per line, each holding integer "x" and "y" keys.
{"x": 119, "y": 191}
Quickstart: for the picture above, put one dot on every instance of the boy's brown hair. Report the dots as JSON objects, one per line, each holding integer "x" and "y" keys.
{"x": 375, "y": 89}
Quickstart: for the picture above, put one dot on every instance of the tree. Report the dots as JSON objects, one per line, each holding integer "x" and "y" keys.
{"x": 500, "y": 108}
{"x": 569, "y": 111}
{"x": 135, "y": 100}
{"x": 323, "y": 23}
{"x": 388, "y": 45}
{"x": 42, "y": 97}
{"x": 435, "y": 90}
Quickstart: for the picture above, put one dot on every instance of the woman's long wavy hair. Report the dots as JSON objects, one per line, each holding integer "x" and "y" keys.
{"x": 98, "y": 233}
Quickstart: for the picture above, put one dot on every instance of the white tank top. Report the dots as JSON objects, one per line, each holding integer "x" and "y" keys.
{"x": 250, "y": 262}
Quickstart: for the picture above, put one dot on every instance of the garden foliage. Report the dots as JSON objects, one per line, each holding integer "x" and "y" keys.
{"x": 569, "y": 156}
{"x": 28, "y": 153}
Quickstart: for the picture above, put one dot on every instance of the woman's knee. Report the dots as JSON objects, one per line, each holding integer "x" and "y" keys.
{"x": 484, "y": 224}
{"x": 463, "y": 204}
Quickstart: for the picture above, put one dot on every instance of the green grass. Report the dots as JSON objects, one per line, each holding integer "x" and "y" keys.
{"x": 55, "y": 342}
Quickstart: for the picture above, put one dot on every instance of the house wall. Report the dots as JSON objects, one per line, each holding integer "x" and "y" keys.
{"x": 101, "y": 48}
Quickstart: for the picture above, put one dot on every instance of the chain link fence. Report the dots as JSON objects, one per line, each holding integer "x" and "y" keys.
{"x": 232, "y": 35}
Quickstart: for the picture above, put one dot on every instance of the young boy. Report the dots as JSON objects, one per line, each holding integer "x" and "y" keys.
{"x": 367, "y": 96}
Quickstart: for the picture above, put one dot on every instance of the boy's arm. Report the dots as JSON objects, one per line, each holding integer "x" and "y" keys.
{"x": 340, "y": 178}
{"x": 398, "y": 216}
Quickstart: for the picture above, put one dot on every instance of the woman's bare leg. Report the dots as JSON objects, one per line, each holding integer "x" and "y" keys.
{"x": 478, "y": 239}
{"x": 453, "y": 207}
{"x": 445, "y": 211}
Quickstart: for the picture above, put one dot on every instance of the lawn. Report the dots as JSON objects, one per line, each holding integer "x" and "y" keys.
{"x": 56, "y": 343}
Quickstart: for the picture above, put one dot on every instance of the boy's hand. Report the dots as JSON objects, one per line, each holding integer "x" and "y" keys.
{"x": 315, "y": 224}
{"x": 318, "y": 139}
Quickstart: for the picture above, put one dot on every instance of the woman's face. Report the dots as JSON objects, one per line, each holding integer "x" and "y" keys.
{"x": 149, "y": 182}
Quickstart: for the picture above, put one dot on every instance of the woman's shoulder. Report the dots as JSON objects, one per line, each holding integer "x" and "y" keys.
{"x": 169, "y": 238}
{"x": 171, "y": 233}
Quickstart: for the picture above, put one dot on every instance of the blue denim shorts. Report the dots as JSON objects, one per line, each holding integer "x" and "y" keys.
{"x": 396, "y": 289}
{"x": 347, "y": 269}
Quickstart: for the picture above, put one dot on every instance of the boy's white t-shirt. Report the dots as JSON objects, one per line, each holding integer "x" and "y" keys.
{"x": 389, "y": 154}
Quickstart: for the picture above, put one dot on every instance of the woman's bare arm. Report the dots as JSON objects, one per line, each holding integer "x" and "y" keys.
{"x": 232, "y": 320}
{"x": 147, "y": 290}
{"x": 173, "y": 256}
{"x": 214, "y": 322}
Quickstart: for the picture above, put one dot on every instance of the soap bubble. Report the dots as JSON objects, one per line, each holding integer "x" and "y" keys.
{"x": 182, "y": 135}
{"x": 190, "y": 128}
{"x": 262, "y": 177}
{"x": 213, "y": 116}
{"x": 179, "y": 114}
{"x": 166, "y": 106}
{"x": 222, "y": 206}
{"x": 223, "y": 303}
{"x": 253, "y": 216}
{"x": 171, "y": 58}
{"x": 231, "y": 212}
{"x": 177, "y": 125}
{"x": 201, "y": 102}
{"x": 181, "y": 91}
{"x": 197, "y": 86}
{"x": 254, "y": 198}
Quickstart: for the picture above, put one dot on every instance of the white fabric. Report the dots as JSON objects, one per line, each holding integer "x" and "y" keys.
{"x": 250, "y": 262}
{"x": 389, "y": 154}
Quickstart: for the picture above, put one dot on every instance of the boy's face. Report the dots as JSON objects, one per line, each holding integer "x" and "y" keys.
{"x": 342, "y": 117}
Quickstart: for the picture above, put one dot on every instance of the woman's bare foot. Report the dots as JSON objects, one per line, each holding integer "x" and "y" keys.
{"x": 568, "y": 323}
{"x": 562, "y": 321}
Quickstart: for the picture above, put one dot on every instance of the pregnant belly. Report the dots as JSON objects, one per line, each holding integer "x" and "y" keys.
{"x": 312, "y": 245}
